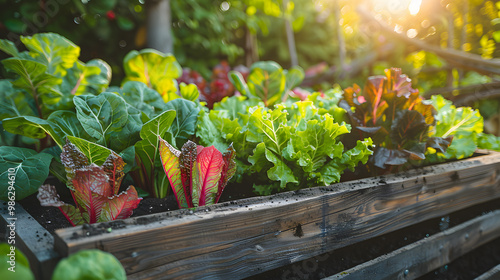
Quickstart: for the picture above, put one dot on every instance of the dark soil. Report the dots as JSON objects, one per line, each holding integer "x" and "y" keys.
{"x": 468, "y": 266}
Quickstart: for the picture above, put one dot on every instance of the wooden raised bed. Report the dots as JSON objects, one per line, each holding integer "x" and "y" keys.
{"x": 236, "y": 239}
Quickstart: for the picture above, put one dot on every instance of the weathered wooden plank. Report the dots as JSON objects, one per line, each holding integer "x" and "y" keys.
{"x": 231, "y": 241}
{"x": 33, "y": 240}
{"x": 428, "y": 254}
{"x": 491, "y": 274}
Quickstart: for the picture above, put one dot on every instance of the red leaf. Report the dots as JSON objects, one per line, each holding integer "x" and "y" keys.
{"x": 113, "y": 166}
{"x": 169, "y": 157}
{"x": 120, "y": 206}
{"x": 207, "y": 174}
{"x": 189, "y": 152}
{"x": 47, "y": 195}
{"x": 91, "y": 189}
{"x": 227, "y": 171}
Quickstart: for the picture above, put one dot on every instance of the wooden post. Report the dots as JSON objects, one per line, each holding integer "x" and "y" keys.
{"x": 159, "y": 21}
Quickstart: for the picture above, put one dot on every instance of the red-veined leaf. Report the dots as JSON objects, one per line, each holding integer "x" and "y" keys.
{"x": 91, "y": 189}
{"x": 227, "y": 171}
{"x": 171, "y": 165}
{"x": 207, "y": 174}
{"x": 187, "y": 160}
{"x": 113, "y": 166}
{"x": 120, "y": 206}
{"x": 47, "y": 195}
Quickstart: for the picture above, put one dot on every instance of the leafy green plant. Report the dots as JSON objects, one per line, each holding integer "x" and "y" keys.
{"x": 95, "y": 188}
{"x": 465, "y": 125}
{"x": 390, "y": 111}
{"x": 14, "y": 269}
{"x": 89, "y": 264}
{"x": 291, "y": 147}
{"x": 267, "y": 82}
{"x": 197, "y": 174}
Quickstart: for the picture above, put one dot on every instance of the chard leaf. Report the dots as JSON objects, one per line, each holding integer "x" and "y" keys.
{"x": 113, "y": 166}
{"x": 65, "y": 123}
{"x": 294, "y": 77}
{"x": 33, "y": 78}
{"x": 12, "y": 103}
{"x": 47, "y": 195}
{"x": 384, "y": 156}
{"x": 129, "y": 134}
{"x": 453, "y": 120}
{"x": 100, "y": 115}
{"x": 228, "y": 170}
{"x": 184, "y": 124}
{"x": 270, "y": 128}
{"x": 91, "y": 191}
{"x": 189, "y": 92}
{"x": 239, "y": 82}
{"x": 153, "y": 68}
{"x": 190, "y": 182}
{"x": 120, "y": 206}
{"x": 32, "y": 127}
{"x": 93, "y": 152}
{"x": 144, "y": 99}
{"x": 171, "y": 165}
{"x": 463, "y": 145}
{"x": 24, "y": 169}
{"x": 8, "y": 47}
{"x": 489, "y": 141}
{"x": 266, "y": 82}
{"x": 53, "y": 50}
{"x": 147, "y": 149}
{"x": 87, "y": 78}
{"x": 207, "y": 174}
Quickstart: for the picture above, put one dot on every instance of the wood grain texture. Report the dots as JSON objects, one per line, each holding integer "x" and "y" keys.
{"x": 234, "y": 240}
{"x": 428, "y": 254}
{"x": 33, "y": 240}
{"x": 491, "y": 274}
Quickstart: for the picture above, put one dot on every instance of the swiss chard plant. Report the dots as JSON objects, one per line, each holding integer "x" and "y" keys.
{"x": 36, "y": 100}
{"x": 267, "y": 82}
{"x": 393, "y": 114}
{"x": 197, "y": 174}
{"x": 94, "y": 180}
{"x": 287, "y": 148}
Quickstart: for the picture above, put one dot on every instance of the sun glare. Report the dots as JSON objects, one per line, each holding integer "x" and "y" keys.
{"x": 414, "y": 7}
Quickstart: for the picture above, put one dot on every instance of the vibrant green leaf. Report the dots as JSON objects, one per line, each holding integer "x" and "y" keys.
{"x": 184, "y": 124}
{"x": 90, "y": 264}
{"x": 189, "y": 92}
{"x": 23, "y": 169}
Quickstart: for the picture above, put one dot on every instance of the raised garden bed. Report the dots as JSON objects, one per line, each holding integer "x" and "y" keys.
{"x": 237, "y": 239}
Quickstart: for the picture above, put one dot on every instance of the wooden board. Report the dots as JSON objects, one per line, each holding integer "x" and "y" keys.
{"x": 491, "y": 274}
{"x": 234, "y": 240}
{"x": 33, "y": 240}
{"x": 428, "y": 254}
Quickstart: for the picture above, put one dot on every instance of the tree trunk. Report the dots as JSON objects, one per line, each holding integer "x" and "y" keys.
{"x": 290, "y": 37}
{"x": 159, "y": 21}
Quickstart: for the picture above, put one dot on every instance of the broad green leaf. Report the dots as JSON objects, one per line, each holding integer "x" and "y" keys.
{"x": 34, "y": 80}
{"x": 100, "y": 115}
{"x": 171, "y": 165}
{"x": 24, "y": 169}
{"x": 95, "y": 153}
{"x": 90, "y": 78}
{"x": 239, "y": 82}
{"x": 153, "y": 68}
{"x": 189, "y": 92}
{"x": 184, "y": 124}
{"x": 12, "y": 103}
{"x": 8, "y": 47}
{"x": 294, "y": 77}
{"x": 267, "y": 82}
{"x": 147, "y": 149}
{"x": 22, "y": 267}
{"x": 269, "y": 127}
{"x": 65, "y": 123}
{"x": 53, "y": 50}
{"x": 489, "y": 141}
{"x": 462, "y": 146}
{"x": 129, "y": 134}
{"x": 32, "y": 127}
{"x": 145, "y": 99}
{"x": 90, "y": 264}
